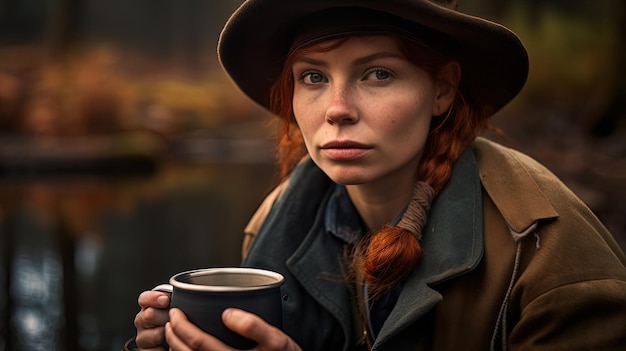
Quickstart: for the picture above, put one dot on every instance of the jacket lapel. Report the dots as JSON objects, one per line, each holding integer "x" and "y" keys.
{"x": 511, "y": 187}
{"x": 317, "y": 264}
{"x": 452, "y": 242}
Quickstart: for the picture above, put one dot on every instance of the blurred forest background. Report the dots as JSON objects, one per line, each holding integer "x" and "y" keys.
{"x": 126, "y": 155}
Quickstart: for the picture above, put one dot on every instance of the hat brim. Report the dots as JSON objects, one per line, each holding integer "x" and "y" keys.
{"x": 256, "y": 39}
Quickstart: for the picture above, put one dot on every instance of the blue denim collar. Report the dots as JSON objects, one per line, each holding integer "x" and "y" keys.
{"x": 341, "y": 218}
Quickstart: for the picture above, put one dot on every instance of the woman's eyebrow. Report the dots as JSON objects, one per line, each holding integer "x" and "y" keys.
{"x": 376, "y": 56}
{"x": 310, "y": 60}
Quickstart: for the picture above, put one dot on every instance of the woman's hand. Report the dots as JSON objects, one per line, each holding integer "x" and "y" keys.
{"x": 150, "y": 321}
{"x": 182, "y": 335}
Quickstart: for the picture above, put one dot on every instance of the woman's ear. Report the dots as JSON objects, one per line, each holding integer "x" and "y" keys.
{"x": 446, "y": 85}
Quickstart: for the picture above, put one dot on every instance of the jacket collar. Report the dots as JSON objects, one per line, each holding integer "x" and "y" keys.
{"x": 505, "y": 175}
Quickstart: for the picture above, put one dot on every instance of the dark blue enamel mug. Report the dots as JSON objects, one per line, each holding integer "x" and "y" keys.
{"x": 203, "y": 295}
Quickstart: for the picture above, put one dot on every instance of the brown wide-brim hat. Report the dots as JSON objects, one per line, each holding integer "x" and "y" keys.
{"x": 258, "y": 36}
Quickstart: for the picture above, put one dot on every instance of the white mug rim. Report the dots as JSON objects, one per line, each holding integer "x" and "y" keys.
{"x": 279, "y": 279}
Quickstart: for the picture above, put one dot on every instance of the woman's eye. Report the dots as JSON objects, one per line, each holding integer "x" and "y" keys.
{"x": 378, "y": 74}
{"x": 313, "y": 78}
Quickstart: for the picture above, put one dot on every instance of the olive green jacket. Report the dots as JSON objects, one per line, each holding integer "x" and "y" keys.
{"x": 513, "y": 260}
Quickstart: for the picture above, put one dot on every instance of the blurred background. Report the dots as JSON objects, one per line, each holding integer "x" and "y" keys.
{"x": 126, "y": 155}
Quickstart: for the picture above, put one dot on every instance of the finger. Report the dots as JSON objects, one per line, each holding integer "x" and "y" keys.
{"x": 148, "y": 338}
{"x": 156, "y": 299}
{"x": 175, "y": 343}
{"x": 183, "y": 335}
{"x": 150, "y": 318}
{"x": 255, "y": 328}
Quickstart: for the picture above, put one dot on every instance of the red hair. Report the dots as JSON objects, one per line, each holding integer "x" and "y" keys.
{"x": 388, "y": 256}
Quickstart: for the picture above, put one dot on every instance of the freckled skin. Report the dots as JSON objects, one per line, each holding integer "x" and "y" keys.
{"x": 367, "y": 94}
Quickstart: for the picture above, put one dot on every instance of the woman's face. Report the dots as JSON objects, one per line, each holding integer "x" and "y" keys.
{"x": 364, "y": 110}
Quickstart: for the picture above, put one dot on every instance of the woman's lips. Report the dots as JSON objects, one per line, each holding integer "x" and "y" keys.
{"x": 345, "y": 150}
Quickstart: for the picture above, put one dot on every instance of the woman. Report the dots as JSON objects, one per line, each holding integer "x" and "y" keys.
{"x": 396, "y": 227}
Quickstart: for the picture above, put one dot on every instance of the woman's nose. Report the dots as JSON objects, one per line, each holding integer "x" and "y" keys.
{"x": 342, "y": 108}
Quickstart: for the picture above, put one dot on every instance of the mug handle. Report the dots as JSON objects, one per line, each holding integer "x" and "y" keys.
{"x": 166, "y": 288}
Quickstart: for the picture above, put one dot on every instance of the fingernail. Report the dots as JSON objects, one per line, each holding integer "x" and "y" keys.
{"x": 173, "y": 312}
{"x": 227, "y": 313}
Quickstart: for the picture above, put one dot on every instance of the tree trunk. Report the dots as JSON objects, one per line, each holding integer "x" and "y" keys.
{"x": 615, "y": 111}
{"x": 65, "y": 26}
